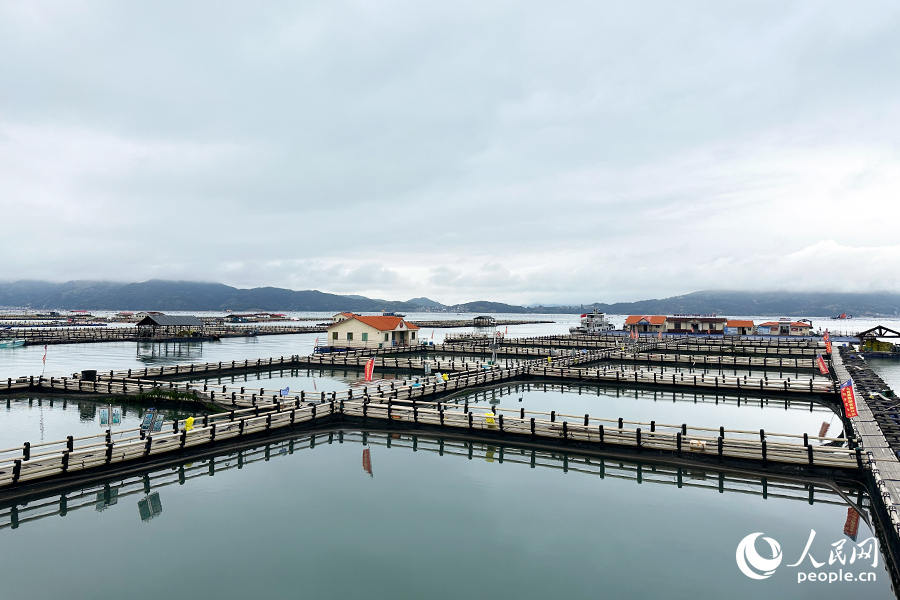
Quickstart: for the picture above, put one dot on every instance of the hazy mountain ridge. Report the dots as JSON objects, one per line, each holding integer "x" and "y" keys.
{"x": 179, "y": 296}
{"x": 198, "y": 296}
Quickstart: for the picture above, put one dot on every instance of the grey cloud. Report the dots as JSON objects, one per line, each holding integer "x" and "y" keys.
{"x": 523, "y": 152}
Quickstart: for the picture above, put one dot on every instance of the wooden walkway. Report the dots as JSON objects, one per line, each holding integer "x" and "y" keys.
{"x": 438, "y": 324}
{"x": 95, "y": 496}
{"x": 574, "y": 367}
{"x": 417, "y": 402}
{"x": 674, "y": 344}
{"x": 619, "y": 355}
{"x": 81, "y": 335}
{"x": 50, "y": 459}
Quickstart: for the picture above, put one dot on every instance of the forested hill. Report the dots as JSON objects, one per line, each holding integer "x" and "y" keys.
{"x": 180, "y": 296}
{"x": 194, "y": 296}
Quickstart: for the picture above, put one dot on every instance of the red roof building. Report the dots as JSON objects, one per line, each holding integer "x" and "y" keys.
{"x": 645, "y": 323}
{"x": 357, "y": 331}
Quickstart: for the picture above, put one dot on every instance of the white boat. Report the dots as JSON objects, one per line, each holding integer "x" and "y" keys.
{"x": 11, "y": 343}
{"x": 593, "y": 323}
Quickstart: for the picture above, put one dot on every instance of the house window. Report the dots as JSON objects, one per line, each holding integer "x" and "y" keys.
{"x": 334, "y": 335}
{"x": 349, "y": 336}
{"x": 385, "y": 337}
{"x": 412, "y": 335}
{"x": 365, "y": 337}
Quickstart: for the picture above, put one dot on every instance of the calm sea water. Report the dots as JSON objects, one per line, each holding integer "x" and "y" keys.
{"x": 293, "y": 521}
{"x": 290, "y": 521}
{"x": 889, "y": 371}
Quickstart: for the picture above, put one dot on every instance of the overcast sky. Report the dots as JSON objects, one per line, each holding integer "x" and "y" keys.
{"x": 513, "y": 151}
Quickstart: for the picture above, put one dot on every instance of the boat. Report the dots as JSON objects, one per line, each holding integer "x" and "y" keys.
{"x": 593, "y": 323}
{"x": 11, "y": 343}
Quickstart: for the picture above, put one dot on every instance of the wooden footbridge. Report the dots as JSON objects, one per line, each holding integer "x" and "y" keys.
{"x": 31, "y": 462}
{"x": 420, "y": 401}
{"x": 98, "y": 494}
{"x": 579, "y": 367}
{"x": 89, "y": 334}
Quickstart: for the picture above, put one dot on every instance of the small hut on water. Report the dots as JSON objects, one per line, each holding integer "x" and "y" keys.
{"x": 170, "y": 326}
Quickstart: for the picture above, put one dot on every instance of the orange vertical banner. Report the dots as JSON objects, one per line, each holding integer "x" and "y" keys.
{"x": 849, "y": 399}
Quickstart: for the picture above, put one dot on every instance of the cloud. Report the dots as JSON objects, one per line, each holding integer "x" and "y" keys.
{"x": 518, "y": 152}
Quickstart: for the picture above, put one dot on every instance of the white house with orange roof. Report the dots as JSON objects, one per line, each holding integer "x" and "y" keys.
{"x": 357, "y": 331}
{"x": 645, "y": 323}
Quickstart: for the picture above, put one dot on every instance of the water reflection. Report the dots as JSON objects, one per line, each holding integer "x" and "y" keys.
{"x": 29, "y": 417}
{"x": 152, "y": 354}
{"x": 305, "y": 509}
{"x": 148, "y": 486}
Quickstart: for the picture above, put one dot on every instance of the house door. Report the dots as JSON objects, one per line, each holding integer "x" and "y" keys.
{"x": 785, "y": 330}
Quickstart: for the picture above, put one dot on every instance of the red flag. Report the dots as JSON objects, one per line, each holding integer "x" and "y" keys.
{"x": 370, "y": 367}
{"x": 849, "y": 398}
{"x": 659, "y": 336}
{"x": 851, "y": 526}
{"x": 45, "y": 354}
{"x": 820, "y": 362}
{"x": 827, "y": 337}
{"x": 824, "y": 428}
{"x": 367, "y": 461}
{"x": 828, "y": 347}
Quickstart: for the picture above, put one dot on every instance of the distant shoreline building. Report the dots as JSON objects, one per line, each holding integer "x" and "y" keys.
{"x": 713, "y": 325}
{"x": 710, "y": 324}
{"x": 783, "y": 327}
{"x": 739, "y": 327}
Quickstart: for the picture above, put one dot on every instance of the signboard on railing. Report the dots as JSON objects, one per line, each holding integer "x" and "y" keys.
{"x": 147, "y": 422}
{"x": 158, "y": 422}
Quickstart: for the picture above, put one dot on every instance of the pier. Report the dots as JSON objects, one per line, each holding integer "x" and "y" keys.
{"x": 451, "y": 323}
{"x": 92, "y": 334}
{"x": 434, "y": 404}
{"x": 58, "y": 498}
{"x": 425, "y": 401}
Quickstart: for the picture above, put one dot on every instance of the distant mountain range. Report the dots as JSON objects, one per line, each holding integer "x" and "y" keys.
{"x": 194, "y": 296}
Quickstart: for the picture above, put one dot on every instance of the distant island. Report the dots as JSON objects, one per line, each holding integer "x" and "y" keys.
{"x": 197, "y": 296}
